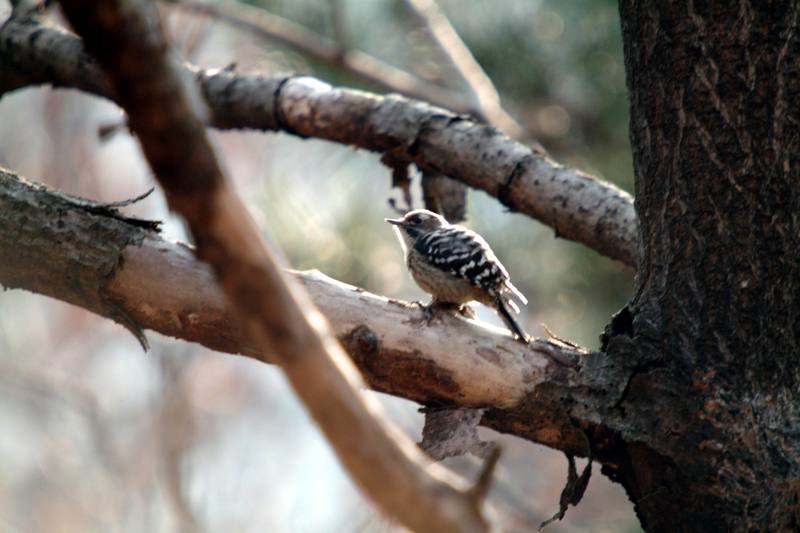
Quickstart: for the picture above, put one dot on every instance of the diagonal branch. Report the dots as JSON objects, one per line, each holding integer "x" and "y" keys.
{"x": 266, "y": 25}
{"x": 164, "y": 108}
{"x": 341, "y": 32}
{"x": 578, "y": 206}
{"x": 113, "y": 266}
{"x": 483, "y": 90}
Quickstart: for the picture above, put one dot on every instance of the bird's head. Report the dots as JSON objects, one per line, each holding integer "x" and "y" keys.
{"x": 417, "y": 222}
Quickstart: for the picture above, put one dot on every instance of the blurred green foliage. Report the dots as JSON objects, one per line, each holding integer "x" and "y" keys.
{"x": 559, "y": 69}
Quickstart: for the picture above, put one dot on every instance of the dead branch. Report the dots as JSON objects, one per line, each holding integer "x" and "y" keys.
{"x": 479, "y": 84}
{"x": 340, "y": 26}
{"x": 164, "y": 110}
{"x": 445, "y": 196}
{"x": 111, "y": 267}
{"x": 265, "y": 25}
{"x": 576, "y": 205}
{"x": 573, "y": 491}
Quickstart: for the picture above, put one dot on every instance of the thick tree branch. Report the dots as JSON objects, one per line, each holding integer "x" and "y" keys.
{"x": 164, "y": 111}
{"x": 578, "y": 206}
{"x": 113, "y": 266}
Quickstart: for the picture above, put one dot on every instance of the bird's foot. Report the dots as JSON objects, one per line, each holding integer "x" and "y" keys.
{"x": 467, "y": 312}
{"x": 434, "y": 310}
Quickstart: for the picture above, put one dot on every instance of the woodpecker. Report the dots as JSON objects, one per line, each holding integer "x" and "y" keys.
{"x": 455, "y": 265}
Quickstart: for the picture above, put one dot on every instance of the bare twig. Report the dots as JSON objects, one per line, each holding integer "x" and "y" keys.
{"x": 482, "y": 484}
{"x": 444, "y": 195}
{"x": 401, "y": 178}
{"x": 573, "y": 490}
{"x": 366, "y": 67}
{"x": 552, "y": 336}
{"x": 339, "y": 23}
{"x": 163, "y": 111}
{"x": 578, "y": 206}
{"x": 478, "y": 83}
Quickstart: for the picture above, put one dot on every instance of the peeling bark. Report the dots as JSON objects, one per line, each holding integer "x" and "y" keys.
{"x": 445, "y": 196}
{"x": 93, "y": 237}
{"x": 163, "y": 287}
{"x": 453, "y": 432}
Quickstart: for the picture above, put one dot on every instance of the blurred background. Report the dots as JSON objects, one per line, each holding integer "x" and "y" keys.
{"x": 96, "y": 435}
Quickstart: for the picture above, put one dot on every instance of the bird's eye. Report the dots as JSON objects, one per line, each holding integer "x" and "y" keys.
{"x": 414, "y": 220}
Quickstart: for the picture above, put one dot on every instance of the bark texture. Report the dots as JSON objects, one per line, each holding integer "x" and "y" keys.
{"x": 161, "y": 286}
{"x": 91, "y": 238}
{"x": 714, "y": 325}
{"x": 693, "y": 404}
{"x": 576, "y": 205}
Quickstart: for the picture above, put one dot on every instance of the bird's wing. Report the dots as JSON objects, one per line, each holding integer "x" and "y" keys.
{"x": 463, "y": 253}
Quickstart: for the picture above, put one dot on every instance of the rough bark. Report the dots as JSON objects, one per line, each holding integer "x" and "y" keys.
{"x": 576, "y": 205}
{"x": 714, "y": 325}
{"x": 32, "y": 218}
{"x": 445, "y": 196}
{"x": 84, "y": 255}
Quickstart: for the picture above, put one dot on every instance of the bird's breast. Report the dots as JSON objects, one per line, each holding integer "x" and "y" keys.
{"x": 439, "y": 283}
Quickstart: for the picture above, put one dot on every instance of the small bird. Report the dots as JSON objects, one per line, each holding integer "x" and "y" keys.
{"x": 455, "y": 265}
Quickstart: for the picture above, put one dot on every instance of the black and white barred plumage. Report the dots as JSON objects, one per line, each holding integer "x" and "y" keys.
{"x": 456, "y": 265}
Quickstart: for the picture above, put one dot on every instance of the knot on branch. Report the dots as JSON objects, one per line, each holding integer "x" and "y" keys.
{"x": 362, "y": 341}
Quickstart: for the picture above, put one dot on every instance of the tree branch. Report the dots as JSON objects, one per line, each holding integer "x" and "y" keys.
{"x": 164, "y": 111}
{"x": 479, "y": 84}
{"x": 341, "y": 30}
{"x": 265, "y": 25}
{"x": 578, "y": 206}
{"x": 445, "y": 196}
{"x": 66, "y": 249}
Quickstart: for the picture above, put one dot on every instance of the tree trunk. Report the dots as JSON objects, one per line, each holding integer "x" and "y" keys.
{"x": 711, "y": 416}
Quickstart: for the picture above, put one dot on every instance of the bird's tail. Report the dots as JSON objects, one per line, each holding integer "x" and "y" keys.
{"x": 510, "y": 286}
{"x": 503, "y": 309}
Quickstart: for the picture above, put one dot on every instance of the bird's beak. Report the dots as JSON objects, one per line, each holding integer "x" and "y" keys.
{"x": 394, "y": 221}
